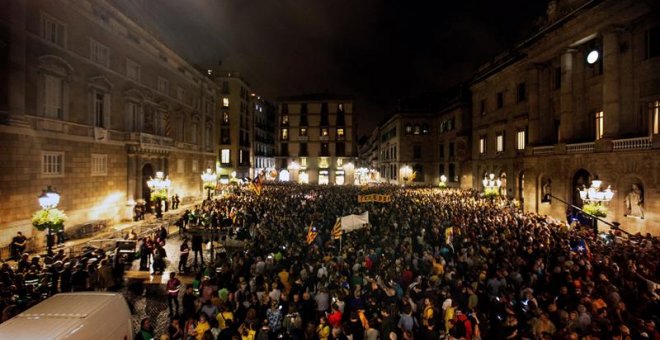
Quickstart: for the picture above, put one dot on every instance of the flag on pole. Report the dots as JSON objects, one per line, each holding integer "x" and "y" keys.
{"x": 257, "y": 184}
{"x": 581, "y": 247}
{"x": 336, "y": 230}
{"x": 311, "y": 234}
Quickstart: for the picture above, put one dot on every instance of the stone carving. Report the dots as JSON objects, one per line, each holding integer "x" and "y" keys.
{"x": 546, "y": 190}
{"x": 634, "y": 202}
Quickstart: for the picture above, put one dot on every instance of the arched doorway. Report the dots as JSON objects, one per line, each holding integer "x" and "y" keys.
{"x": 147, "y": 172}
{"x": 582, "y": 178}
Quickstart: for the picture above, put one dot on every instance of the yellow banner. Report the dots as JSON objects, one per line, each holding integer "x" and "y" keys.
{"x": 374, "y": 198}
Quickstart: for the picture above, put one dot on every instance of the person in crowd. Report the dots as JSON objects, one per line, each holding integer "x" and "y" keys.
{"x": 18, "y": 245}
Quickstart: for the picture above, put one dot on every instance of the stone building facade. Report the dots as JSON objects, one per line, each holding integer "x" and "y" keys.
{"x": 94, "y": 105}
{"x": 316, "y": 139}
{"x": 577, "y": 101}
{"x": 264, "y": 134}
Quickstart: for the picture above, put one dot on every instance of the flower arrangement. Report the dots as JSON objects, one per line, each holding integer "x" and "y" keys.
{"x": 159, "y": 195}
{"x": 442, "y": 185}
{"x": 491, "y": 192}
{"x": 209, "y": 186}
{"x": 595, "y": 209}
{"x": 49, "y": 218}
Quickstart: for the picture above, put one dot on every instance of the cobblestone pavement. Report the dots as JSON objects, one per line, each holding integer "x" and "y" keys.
{"x": 151, "y": 300}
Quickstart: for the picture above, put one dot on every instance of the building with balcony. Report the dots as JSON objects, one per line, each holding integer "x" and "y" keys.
{"x": 264, "y": 134}
{"x": 94, "y": 105}
{"x": 316, "y": 138}
{"x": 235, "y": 125}
{"x": 575, "y": 102}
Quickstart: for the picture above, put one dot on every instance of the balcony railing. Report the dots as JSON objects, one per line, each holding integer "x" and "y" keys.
{"x": 544, "y": 150}
{"x": 638, "y": 143}
{"x": 580, "y": 147}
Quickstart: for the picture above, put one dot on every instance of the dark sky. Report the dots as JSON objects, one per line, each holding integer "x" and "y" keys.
{"x": 378, "y": 51}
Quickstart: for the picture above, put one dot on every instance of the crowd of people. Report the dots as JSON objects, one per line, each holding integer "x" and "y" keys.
{"x": 431, "y": 264}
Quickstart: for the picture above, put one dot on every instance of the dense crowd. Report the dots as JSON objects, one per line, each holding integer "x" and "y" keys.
{"x": 432, "y": 264}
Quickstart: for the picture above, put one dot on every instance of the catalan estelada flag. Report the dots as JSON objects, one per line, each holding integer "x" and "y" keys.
{"x": 336, "y": 230}
{"x": 311, "y": 234}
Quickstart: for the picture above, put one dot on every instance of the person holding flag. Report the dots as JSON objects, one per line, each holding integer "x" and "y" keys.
{"x": 336, "y": 229}
{"x": 311, "y": 234}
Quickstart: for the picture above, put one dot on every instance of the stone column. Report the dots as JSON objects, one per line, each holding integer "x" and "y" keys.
{"x": 611, "y": 88}
{"x": 534, "y": 134}
{"x": 566, "y": 99}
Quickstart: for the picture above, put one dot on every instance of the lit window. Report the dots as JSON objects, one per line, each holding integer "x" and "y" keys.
{"x": 324, "y": 132}
{"x": 520, "y": 140}
{"x": 323, "y": 162}
{"x": 500, "y": 142}
{"x": 303, "y": 132}
{"x": 225, "y": 117}
{"x": 340, "y": 162}
{"x": 408, "y": 129}
{"x": 224, "y": 156}
{"x": 99, "y": 53}
{"x": 225, "y": 102}
{"x": 52, "y": 164}
{"x": 285, "y": 134}
{"x": 285, "y": 119}
{"x": 340, "y": 133}
{"x": 53, "y": 30}
{"x": 655, "y": 116}
{"x": 99, "y": 165}
{"x": 599, "y": 124}
{"x": 303, "y": 162}
{"x": 180, "y": 166}
{"x": 482, "y": 145}
{"x": 324, "y": 179}
{"x": 418, "y": 129}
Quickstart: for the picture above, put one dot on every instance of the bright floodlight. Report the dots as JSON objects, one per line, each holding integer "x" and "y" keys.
{"x": 49, "y": 198}
{"x": 592, "y": 57}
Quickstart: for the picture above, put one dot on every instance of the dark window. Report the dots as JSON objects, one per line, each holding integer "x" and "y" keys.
{"x": 522, "y": 92}
{"x": 224, "y": 136}
{"x": 441, "y": 170}
{"x": 417, "y": 151}
{"x": 341, "y": 121}
{"x": 225, "y": 87}
{"x": 324, "y": 149}
{"x": 653, "y": 42}
{"x": 303, "y": 120}
{"x": 303, "y": 150}
{"x": 442, "y": 151}
{"x": 557, "y": 78}
{"x": 500, "y": 100}
{"x": 419, "y": 173}
{"x": 225, "y": 117}
{"x": 341, "y": 149}
{"x": 285, "y": 108}
{"x": 425, "y": 129}
{"x": 483, "y": 107}
{"x": 324, "y": 107}
{"x": 452, "y": 172}
{"x": 303, "y": 108}
{"x": 451, "y": 149}
{"x": 284, "y": 149}
{"x": 324, "y": 119}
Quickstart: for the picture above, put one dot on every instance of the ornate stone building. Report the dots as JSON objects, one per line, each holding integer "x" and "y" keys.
{"x": 576, "y": 101}
{"x": 94, "y": 105}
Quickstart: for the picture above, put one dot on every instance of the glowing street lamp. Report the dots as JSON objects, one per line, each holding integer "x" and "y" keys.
{"x": 595, "y": 199}
{"x": 491, "y": 185}
{"x": 209, "y": 178}
{"x": 49, "y": 217}
{"x": 406, "y": 172}
{"x": 159, "y": 187}
{"x": 443, "y": 181}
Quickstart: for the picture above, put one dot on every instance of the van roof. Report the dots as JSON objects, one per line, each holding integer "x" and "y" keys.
{"x": 69, "y": 305}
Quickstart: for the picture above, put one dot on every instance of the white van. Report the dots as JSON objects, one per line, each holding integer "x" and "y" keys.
{"x": 83, "y": 316}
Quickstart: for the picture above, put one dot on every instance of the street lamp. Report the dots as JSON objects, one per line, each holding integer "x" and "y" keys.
{"x": 443, "y": 181}
{"x": 491, "y": 186}
{"x": 406, "y": 172}
{"x": 49, "y": 217}
{"x": 595, "y": 199}
{"x": 159, "y": 187}
{"x": 209, "y": 178}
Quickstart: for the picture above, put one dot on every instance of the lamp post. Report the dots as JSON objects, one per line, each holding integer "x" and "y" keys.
{"x": 159, "y": 187}
{"x": 406, "y": 172}
{"x": 443, "y": 181}
{"x": 596, "y": 200}
{"x": 491, "y": 186}
{"x": 348, "y": 168}
{"x": 209, "y": 178}
{"x": 49, "y": 217}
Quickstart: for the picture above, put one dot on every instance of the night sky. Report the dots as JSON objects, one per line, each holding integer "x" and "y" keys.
{"x": 378, "y": 51}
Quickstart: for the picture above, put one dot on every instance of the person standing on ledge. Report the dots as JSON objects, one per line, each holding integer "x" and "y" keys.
{"x": 18, "y": 245}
